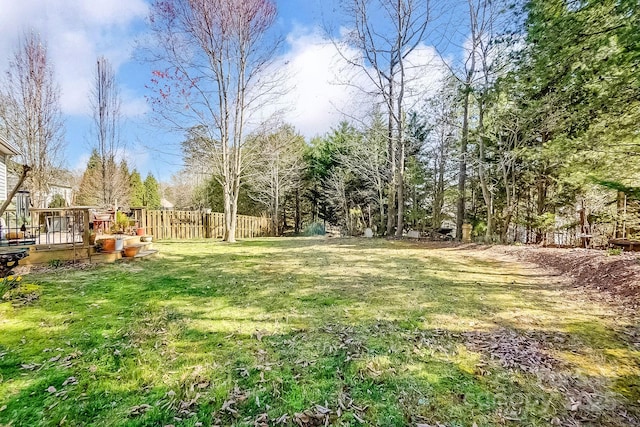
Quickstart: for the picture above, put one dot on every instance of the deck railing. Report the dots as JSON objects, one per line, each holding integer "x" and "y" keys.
{"x": 53, "y": 226}
{"x": 73, "y": 225}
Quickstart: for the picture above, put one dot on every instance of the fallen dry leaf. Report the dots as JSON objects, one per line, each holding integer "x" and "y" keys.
{"x": 70, "y": 381}
{"x": 139, "y": 410}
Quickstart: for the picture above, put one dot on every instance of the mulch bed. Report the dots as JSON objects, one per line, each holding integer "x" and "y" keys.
{"x": 615, "y": 278}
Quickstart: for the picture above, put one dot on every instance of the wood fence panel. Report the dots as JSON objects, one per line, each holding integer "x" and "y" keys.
{"x": 185, "y": 225}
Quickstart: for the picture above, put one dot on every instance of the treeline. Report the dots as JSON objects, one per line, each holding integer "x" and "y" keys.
{"x": 125, "y": 188}
{"x": 534, "y": 130}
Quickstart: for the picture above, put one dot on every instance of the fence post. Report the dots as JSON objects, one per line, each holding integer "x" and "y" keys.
{"x": 208, "y": 226}
{"x": 85, "y": 224}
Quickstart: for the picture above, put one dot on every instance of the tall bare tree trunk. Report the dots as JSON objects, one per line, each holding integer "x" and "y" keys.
{"x": 462, "y": 172}
{"x": 620, "y": 213}
{"x": 382, "y": 56}
{"x": 225, "y": 77}
{"x": 298, "y": 215}
{"x": 392, "y": 189}
{"x": 31, "y": 114}
{"x": 482, "y": 175}
{"x": 400, "y": 186}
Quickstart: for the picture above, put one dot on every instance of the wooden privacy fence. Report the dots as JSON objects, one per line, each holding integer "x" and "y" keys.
{"x": 183, "y": 225}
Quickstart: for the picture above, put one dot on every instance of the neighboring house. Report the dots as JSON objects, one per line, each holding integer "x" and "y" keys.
{"x": 6, "y": 150}
{"x": 165, "y": 204}
{"x": 64, "y": 191}
{"x": 60, "y": 184}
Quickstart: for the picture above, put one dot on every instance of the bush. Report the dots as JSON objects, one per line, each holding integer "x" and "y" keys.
{"x": 55, "y": 263}
{"x": 614, "y": 251}
{"x": 314, "y": 229}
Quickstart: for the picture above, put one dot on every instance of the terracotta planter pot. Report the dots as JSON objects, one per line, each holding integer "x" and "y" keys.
{"x": 108, "y": 245}
{"x": 140, "y": 232}
{"x": 130, "y": 251}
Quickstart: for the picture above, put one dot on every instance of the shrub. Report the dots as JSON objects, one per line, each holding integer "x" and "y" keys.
{"x": 614, "y": 251}
{"x": 55, "y": 263}
{"x": 314, "y": 229}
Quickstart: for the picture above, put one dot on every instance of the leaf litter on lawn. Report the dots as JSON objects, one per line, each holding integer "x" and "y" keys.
{"x": 587, "y": 400}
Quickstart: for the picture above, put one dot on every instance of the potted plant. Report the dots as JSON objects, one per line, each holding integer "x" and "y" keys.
{"x": 108, "y": 244}
{"x": 131, "y": 251}
{"x": 121, "y": 223}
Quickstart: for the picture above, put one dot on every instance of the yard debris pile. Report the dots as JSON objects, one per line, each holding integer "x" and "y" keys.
{"x": 615, "y": 276}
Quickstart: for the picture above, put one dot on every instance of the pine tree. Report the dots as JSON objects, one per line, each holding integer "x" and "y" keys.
{"x": 151, "y": 192}
{"x": 136, "y": 189}
{"x": 88, "y": 194}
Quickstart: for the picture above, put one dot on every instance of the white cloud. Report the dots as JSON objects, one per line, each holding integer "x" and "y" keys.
{"x": 136, "y": 156}
{"x": 324, "y": 89}
{"x": 132, "y": 105}
{"x": 76, "y": 32}
{"x": 316, "y": 101}
{"x": 425, "y": 71}
{"x": 80, "y": 163}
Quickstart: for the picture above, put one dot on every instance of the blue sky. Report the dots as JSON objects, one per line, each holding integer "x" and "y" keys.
{"x": 78, "y": 31}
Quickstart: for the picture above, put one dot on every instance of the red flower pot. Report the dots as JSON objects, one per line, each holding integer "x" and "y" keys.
{"x": 108, "y": 245}
{"x": 130, "y": 251}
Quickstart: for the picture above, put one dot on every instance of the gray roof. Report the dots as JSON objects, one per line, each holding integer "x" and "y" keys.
{"x": 8, "y": 148}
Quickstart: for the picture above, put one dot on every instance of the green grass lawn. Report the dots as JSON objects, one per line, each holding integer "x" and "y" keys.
{"x": 314, "y": 332}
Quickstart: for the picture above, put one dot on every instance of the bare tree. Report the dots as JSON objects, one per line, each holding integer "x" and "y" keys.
{"x": 506, "y": 133}
{"x": 112, "y": 185}
{"x": 385, "y": 33}
{"x": 181, "y": 189}
{"x": 277, "y": 170}
{"x": 31, "y": 115}
{"x": 217, "y": 77}
{"x": 337, "y": 183}
{"x": 441, "y": 111}
{"x": 366, "y": 158}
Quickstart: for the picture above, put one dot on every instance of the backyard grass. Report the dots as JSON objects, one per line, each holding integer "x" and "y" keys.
{"x": 311, "y": 332}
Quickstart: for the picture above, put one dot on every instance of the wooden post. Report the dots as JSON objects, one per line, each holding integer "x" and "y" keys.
{"x": 86, "y": 233}
{"x": 466, "y": 233}
{"x": 207, "y": 225}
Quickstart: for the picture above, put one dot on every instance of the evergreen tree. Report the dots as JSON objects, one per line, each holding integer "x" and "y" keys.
{"x": 88, "y": 194}
{"x": 136, "y": 189}
{"x": 151, "y": 192}
{"x": 578, "y": 96}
